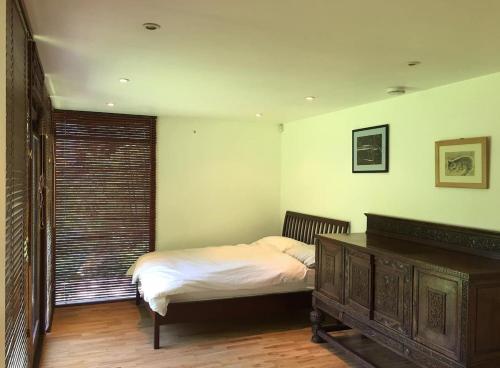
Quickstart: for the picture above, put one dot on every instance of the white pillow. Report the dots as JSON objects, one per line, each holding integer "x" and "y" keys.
{"x": 305, "y": 253}
{"x": 281, "y": 243}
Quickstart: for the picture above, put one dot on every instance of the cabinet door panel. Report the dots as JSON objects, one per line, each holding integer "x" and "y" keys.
{"x": 359, "y": 282}
{"x": 393, "y": 294}
{"x": 485, "y": 331}
{"x": 330, "y": 279}
{"x": 437, "y": 312}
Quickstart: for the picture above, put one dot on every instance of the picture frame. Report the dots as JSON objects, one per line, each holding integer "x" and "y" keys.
{"x": 370, "y": 149}
{"x": 462, "y": 163}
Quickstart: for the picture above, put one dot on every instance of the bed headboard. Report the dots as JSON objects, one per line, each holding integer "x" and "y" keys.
{"x": 304, "y": 227}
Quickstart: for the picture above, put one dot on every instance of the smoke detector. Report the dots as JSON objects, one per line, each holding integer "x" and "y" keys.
{"x": 396, "y": 91}
{"x": 151, "y": 26}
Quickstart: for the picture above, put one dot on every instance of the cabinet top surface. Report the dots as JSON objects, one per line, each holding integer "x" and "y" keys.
{"x": 414, "y": 252}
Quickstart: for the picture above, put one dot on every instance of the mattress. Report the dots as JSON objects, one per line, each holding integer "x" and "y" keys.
{"x": 270, "y": 265}
{"x": 307, "y": 284}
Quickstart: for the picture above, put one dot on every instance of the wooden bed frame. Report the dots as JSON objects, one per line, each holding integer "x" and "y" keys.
{"x": 298, "y": 226}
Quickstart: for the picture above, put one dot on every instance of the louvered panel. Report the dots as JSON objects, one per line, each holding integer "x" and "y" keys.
{"x": 105, "y": 203}
{"x": 16, "y": 316}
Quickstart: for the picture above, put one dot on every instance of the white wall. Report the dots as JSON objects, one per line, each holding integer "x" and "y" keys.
{"x": 220, "y": 185}
{"x": 316, "y": 158}
{"x": 229, "y": 183}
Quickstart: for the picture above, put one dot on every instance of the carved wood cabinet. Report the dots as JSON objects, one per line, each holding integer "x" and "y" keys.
{"x": 426, "y": 291}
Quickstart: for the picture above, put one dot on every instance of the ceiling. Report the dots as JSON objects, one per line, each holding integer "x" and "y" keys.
{"x": 231, "y": 59}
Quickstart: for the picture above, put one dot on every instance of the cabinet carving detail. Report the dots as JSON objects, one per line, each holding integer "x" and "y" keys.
{"x": 407, "y": 302}
{"x": 330, "y": 278}
{"x": 464, "y": 319}
{"x": 470, "y": 239}
{"x": 393, "y": 294}
{"x": 436, "y": 318}
{"x": 445, "y": 271}
{"x": 360, "y": 284}
{"x": 387, "y": 294}
{"x": 329, "y": 269}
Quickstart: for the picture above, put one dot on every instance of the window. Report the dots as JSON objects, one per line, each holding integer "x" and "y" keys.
{"x": 105, "y": 203}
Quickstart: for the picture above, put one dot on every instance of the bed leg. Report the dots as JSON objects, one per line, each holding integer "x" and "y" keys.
{"x": 137, "y": 295}
{"x": 156, "y": 331}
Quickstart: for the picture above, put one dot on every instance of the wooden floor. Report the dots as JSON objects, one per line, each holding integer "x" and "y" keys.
{"x": 119, "y": 335}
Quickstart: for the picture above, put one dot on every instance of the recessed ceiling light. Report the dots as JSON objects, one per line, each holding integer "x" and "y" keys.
{"x": 310, "y": 98}
{"x": 124, "y": 80}
{"x": 110, "y": 104}
{"x": 414, "y": 63}
{"x": 259, "y": 115}
{"x": 151, "y": 26}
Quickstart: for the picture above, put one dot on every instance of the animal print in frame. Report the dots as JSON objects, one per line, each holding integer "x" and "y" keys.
{"x": 463, "y": 163}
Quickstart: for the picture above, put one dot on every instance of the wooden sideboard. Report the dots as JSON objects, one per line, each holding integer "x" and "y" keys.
{"x": 426, "y": 291}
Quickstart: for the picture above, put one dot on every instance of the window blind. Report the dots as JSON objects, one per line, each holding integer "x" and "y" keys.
{"x": 105, "y": 203}
{"x": 17, "y": 349}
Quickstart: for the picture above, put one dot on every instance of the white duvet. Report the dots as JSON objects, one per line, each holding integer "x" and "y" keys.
{"x": 260, "y": 264}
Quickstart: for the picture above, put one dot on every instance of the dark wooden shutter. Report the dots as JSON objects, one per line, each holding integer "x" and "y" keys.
{"x": 49, "y": 220}
{"x": 105, "y": 202}
{"x": 49, "y": 205}
{"x": 16, "y": 303}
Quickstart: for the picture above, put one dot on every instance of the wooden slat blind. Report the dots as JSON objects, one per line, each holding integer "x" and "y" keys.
{"x": 105, "y": 202}
{"x": 16, "y": 308}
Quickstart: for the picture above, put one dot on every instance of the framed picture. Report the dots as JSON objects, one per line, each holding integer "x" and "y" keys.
{"x": 462, "y": 163}
{"x": 370, "y": 149}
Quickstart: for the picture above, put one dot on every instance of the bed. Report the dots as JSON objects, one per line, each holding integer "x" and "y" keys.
{"x": 284, "y": 281}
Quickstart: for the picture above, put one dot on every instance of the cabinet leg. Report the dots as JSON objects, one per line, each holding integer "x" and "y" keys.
{"x": 317, "y": 318}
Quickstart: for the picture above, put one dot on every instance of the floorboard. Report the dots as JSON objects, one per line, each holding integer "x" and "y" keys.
{"x": 119, "y": 335}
